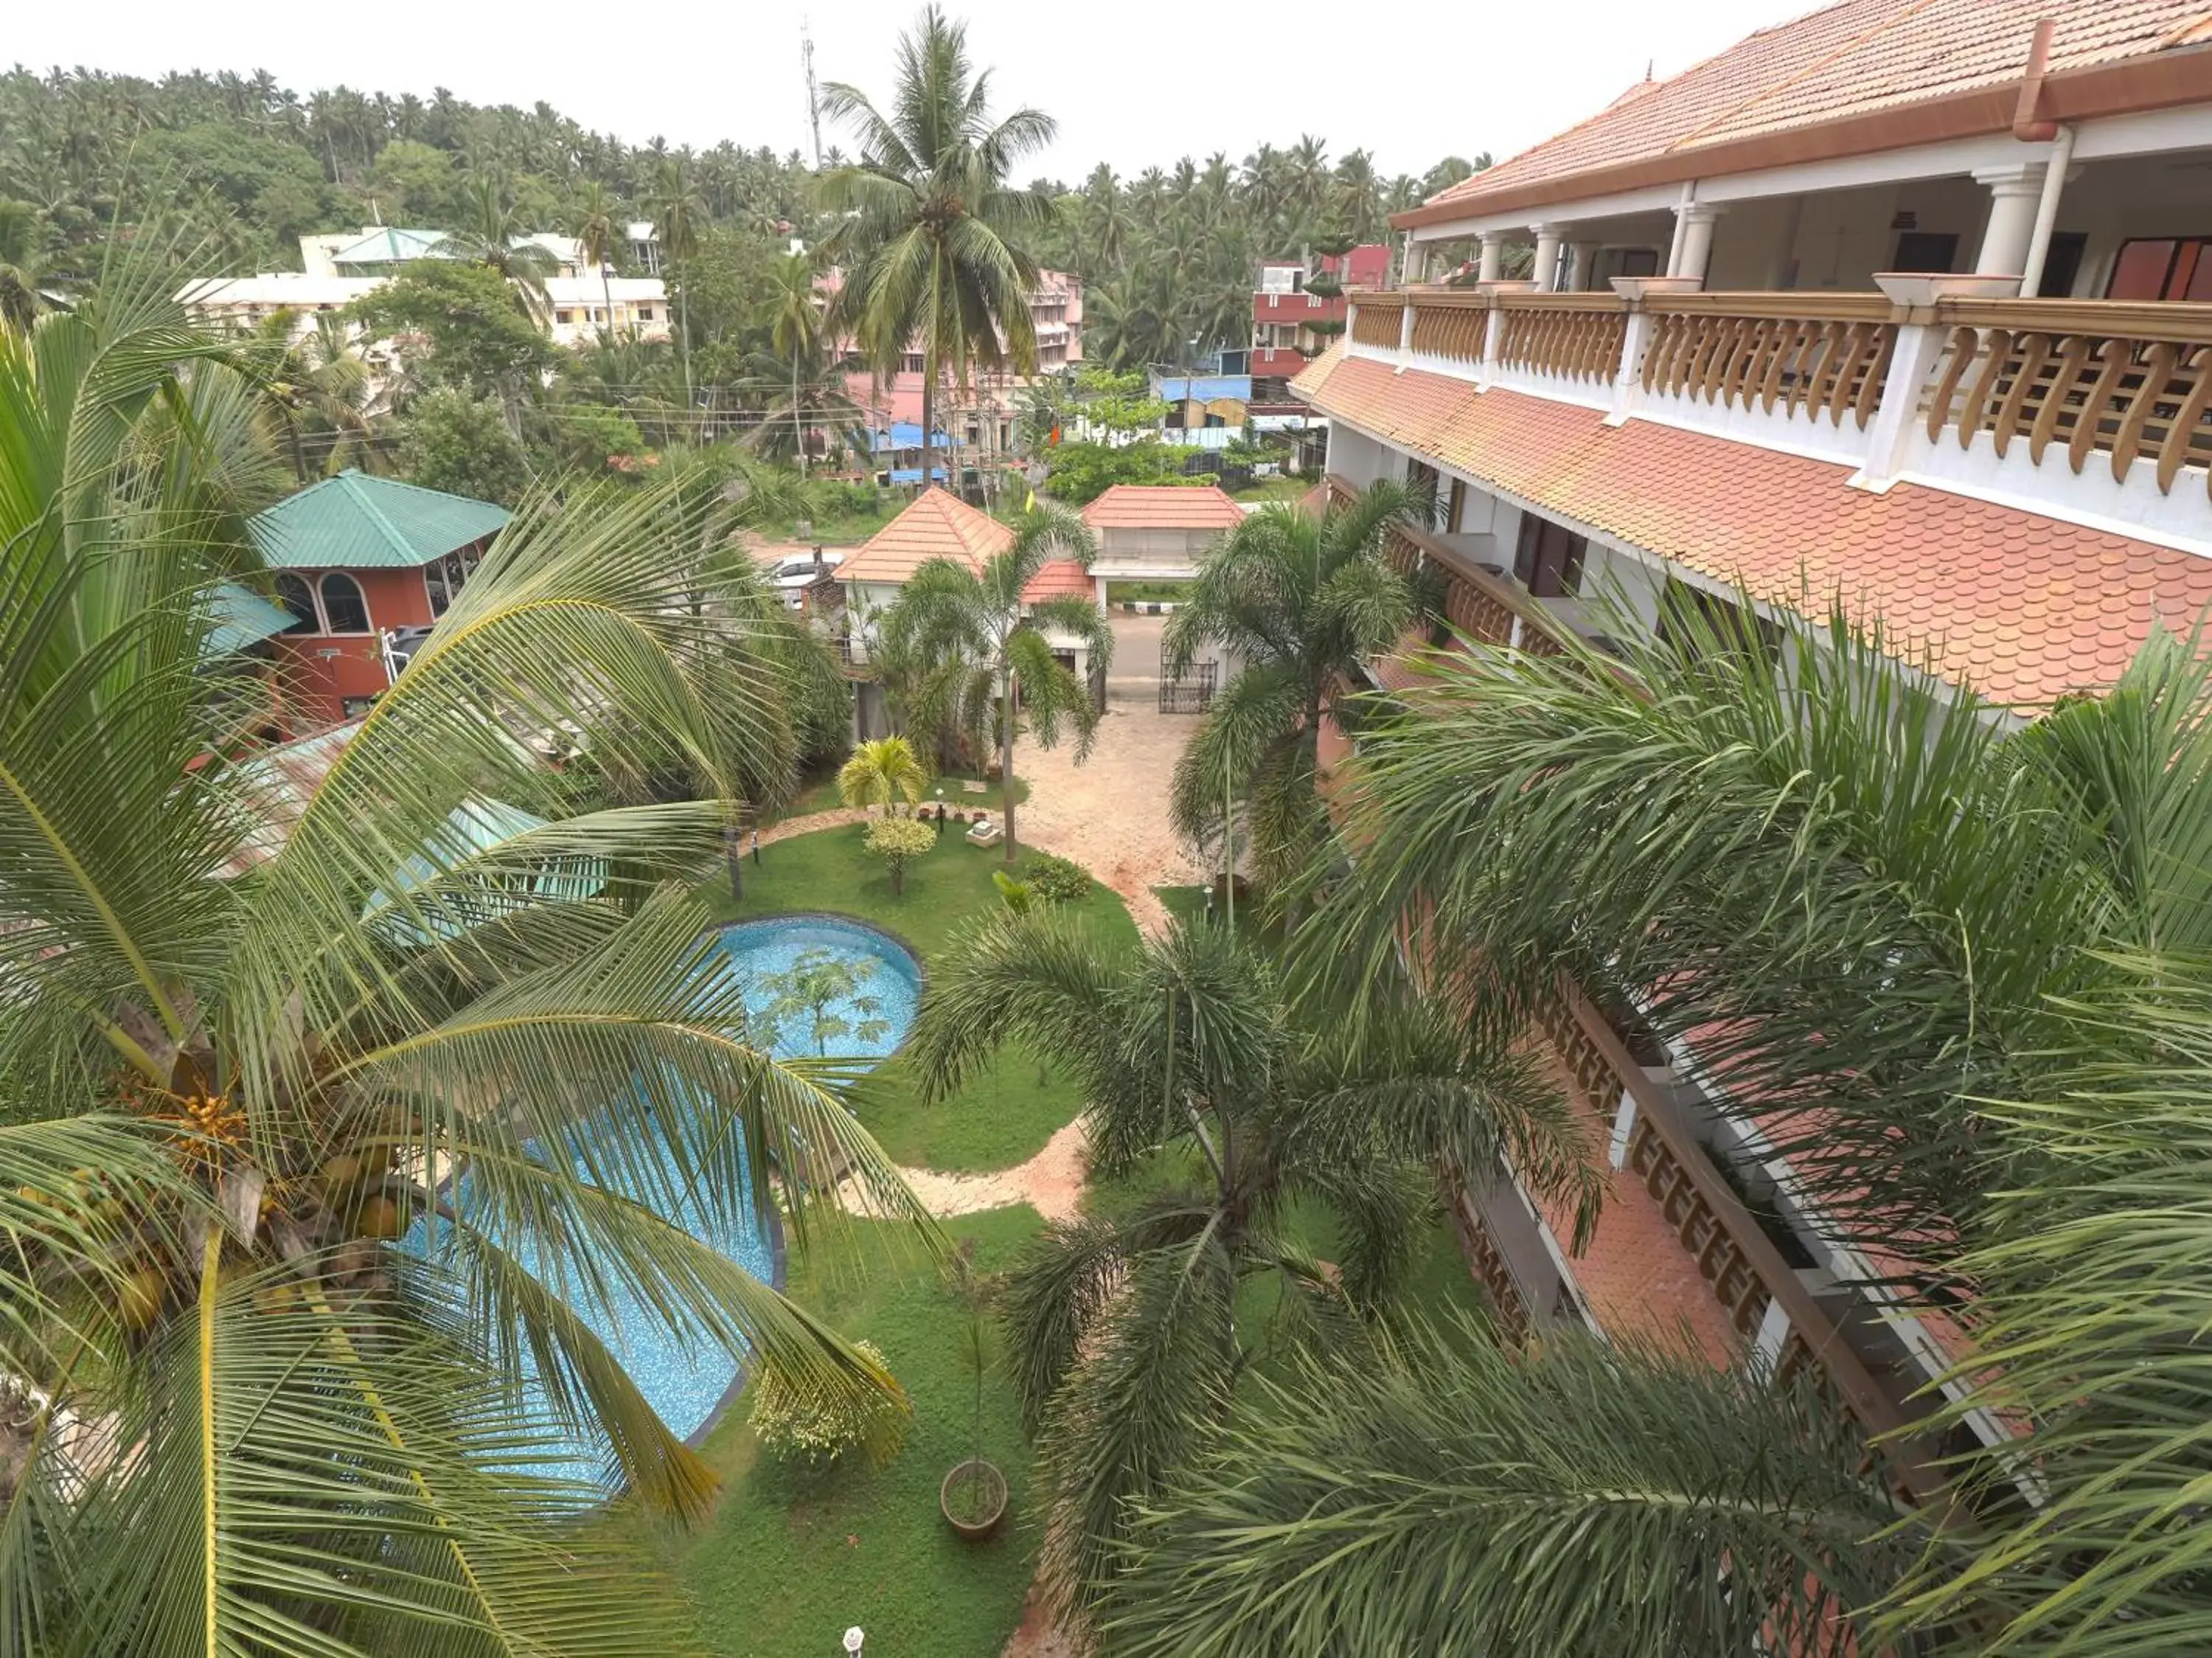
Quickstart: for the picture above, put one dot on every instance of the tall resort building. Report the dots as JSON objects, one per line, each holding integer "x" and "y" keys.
{"x": 1906, "y": 305}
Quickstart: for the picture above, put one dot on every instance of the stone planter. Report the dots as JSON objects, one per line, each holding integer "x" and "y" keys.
{"x": 976, "y": 1522}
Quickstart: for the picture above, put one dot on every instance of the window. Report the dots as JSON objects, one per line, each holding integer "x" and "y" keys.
{"x": 1548, "y": 559}
{"x": 1422, "y": 478}
{"x": 444, "y": 578}
{"x": 356, "y": 706}
{"x": 2163, "y": 267}
{"x": 1455, "y": 514}
{"x": 2061, "y": 264}
{"x": 564, "y": 316}
{"x": 296, "y": 596}
{"x": 1926, "y": 250}
{"x": 645, "y": 314}
{"x": 1695, "y": 618}
{"x": 343, "y": 604}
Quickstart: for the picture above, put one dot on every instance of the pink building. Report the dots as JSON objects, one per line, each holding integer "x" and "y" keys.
{"x": 976, "y": 422}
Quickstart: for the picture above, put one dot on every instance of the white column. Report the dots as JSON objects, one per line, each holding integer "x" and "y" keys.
{"x": 1581, "y": 260}
{"x": 2013, "y": 193}
{"x": 1547, "y": 257}
{"x": 1624, "y": 1125}
{"x": 1627, "y": 382}
{"x": 1491, "y": 264}
{"x": 1767, "y": 1346}
{"x": 1697, "y": 238}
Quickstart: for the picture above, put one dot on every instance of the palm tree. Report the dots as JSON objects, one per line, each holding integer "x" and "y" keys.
{"x": 677, "y": 216}
{"x": 1300, "y": 601}
{"x": 794, "y": 322}
{"x": 881, "y": 772}
{"x": 1122, "y": 1329}
{"x": 316, "y": 387}
{"x": 242, "y": 1047}
{"x": 597, "y": 226}
{"x": 492, "y": 233}
{"x": 1432, "y": 1491}
{"x": 26, "y": 262}
{"x": 981, "y": 649}
{"x": 1956, "y": 970}
{"x": 933, "y": 241}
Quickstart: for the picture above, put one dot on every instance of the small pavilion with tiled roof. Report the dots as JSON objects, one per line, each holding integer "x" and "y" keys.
{"x": 1157, "y": 532}
{"x": 358, "y": 559}
{"x": 937, "y": 524}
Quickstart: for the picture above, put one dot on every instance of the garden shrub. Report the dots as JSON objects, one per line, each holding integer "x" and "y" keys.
{"x": 797, "y": 1423}
{"x": 1056, "y": 880}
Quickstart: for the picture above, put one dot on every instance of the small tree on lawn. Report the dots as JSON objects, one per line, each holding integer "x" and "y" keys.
{"x": 898, "y": 842}
{"x": 881, "y": 772}
{"x": 819, "y": 989}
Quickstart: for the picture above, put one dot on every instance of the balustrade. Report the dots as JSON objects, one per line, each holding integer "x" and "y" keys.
{"x": 2128, "y": 381}
{"x": 1578, "y": 341}
{"x": 1458, "y": 333}
{"x": 1376, "y": 322}
{"x": 1833, "y": 365}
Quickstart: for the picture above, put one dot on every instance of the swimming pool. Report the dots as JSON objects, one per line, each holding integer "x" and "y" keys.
{"x": 687, "y": 1381}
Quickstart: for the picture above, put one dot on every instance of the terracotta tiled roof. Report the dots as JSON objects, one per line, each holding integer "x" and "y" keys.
{"x": 937, "y": 524}
{"x": 1059, "y": 580}
{"x": 1858, "y": 59}
{"x": 1163, "y": 507}
{"x": 2022, "y": 607}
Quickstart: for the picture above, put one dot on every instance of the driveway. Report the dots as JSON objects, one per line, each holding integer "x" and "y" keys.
{"x": 1110, "y": 813}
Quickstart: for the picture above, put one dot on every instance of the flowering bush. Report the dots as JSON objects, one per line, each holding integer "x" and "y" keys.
{"x": 898, "y": 842}
{"x": 796, "y": 1423}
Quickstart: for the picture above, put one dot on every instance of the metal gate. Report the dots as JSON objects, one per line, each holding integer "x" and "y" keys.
{"x": 1191, "y": 694}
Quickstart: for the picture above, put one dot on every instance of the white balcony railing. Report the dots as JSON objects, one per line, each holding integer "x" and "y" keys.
{"x": 2096, "y": 412}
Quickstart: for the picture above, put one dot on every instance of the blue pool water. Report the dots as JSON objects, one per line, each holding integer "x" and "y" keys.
{"x": 684, "y": 1380}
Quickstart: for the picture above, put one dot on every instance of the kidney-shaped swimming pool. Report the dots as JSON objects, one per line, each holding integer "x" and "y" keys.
{"x": 687, "y": 1380}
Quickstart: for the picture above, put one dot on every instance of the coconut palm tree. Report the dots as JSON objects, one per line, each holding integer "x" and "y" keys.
{"x": 980, "y": 649}
{"x": 256, "y": 1016}
{"x": 933, "y": 243}
{"x": 795, "y": 323}
{"x": 677, "y": 216}
{"x": 317, "y": 387}
{"x": 26, "y": 262}
{"x": 881, "y": 772}
{"x": 595, "y": 222}
{"x": 1299, "y": 601}
{"x": 1122, "y": 1330}
{"x": 492, "y": 233}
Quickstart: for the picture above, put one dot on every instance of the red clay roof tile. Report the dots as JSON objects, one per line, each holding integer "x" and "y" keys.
{"x": 2076, "y": 603}
{"x": 1163, "y": 506}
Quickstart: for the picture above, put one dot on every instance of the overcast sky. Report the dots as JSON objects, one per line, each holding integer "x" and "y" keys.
{"x": 1136, "y": 85}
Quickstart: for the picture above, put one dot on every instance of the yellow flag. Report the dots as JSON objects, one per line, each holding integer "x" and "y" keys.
{"x": 1029, "y": 505}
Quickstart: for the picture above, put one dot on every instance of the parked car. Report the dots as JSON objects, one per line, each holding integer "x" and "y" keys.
{"x": 791, "y": 577}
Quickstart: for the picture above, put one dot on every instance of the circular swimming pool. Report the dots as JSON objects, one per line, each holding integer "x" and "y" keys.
{"x": 872, "y": 983}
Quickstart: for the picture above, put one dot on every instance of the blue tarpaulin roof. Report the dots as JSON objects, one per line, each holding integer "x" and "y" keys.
{"x": 913, "y": 474}
{"x": 906, "y": 435}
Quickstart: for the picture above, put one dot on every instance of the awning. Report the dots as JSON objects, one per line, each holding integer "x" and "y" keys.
{"x": 471, "y": 829}
{"x": 242, "y": 618}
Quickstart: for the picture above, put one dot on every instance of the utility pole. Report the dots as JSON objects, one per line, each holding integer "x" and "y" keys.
{"x": 813, "y": 98}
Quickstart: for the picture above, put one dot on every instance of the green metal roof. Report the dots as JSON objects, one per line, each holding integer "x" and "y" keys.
{"x": 353, "y": 521}
{"x": 241, "y": 618}
{"x": 387, "y": 245}
{"x": 476, "y": 828}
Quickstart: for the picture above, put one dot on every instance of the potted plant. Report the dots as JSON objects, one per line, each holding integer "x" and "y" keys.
{"x": 973, "y": 1496}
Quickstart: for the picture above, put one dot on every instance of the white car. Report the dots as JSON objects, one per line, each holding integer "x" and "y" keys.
{"x": 791, "y": 577}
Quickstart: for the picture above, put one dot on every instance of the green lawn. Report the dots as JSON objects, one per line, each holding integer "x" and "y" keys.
{"x": 1001, "y": 1118}
{"x": 1145, "y": 592}
{"x": 1278, "y": 488}
{"x": 791, "y": 1559}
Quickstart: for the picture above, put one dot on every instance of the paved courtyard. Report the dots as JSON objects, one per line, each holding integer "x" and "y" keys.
{"x": 1109, "y": 813}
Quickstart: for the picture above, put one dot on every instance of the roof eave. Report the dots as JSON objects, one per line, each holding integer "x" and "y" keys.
{"x": 2160, "y": 81}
